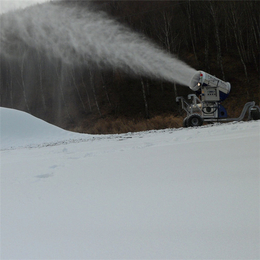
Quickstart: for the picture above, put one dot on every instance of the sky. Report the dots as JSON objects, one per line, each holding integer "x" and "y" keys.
{"x": 8, "y": 5}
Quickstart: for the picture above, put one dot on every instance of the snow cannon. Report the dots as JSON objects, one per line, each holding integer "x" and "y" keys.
{"x": 205, "y": 104}
{"x": 210, "y": 87}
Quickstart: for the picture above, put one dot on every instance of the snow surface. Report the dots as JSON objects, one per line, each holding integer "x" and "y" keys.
{"x": 169, "y": 194}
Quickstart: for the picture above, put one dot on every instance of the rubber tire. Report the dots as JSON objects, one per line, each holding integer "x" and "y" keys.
{"x": 194, "y": 120}
{"x": 185, "y": 122}
{"x": 255, "y": 114}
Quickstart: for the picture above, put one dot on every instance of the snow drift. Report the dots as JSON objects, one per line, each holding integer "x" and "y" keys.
{"x": 19, "y": 129}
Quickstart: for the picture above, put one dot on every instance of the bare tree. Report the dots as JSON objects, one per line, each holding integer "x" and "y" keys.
{"x": 145, "y": 99}
{"x": 189, "y": 13}
{"x": 59, "y": 72}
{"x": 86, "y": 90}
{"x": 92, "y": 84}
{"x": 10, "y": 82}
{"x": 105, "y": 88}
{"x": 73, "y": 76}
{"x": 236, "y": 30}
{"x": 40, "y": 66}
{"x": 23, "y": 82}
{"x": 214, "y": 13}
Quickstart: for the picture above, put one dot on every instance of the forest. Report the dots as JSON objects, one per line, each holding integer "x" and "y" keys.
{"x": 218, "y": 37}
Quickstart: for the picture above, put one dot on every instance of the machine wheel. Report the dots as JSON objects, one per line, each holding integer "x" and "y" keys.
{"x": 194, "y": 120}
{"x": 255, "y": 114}
{"x": 185, "y": 122}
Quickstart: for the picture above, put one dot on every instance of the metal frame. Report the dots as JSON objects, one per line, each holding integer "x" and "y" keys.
{"x": 247, "y": 107}
{"x": 196, "y": 106}
{"x": 190, "y": 108}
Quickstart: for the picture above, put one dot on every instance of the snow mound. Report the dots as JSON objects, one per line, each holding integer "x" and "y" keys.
{"x": 20, "y": 129}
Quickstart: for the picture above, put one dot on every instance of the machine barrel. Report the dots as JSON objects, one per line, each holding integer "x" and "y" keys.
{"x": 203, "y": 79}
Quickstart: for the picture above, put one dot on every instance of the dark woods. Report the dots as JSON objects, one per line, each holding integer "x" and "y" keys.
{"x": 219, "y": 37}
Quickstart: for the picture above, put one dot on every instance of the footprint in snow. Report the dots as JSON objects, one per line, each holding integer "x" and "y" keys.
{"x": 89, "y": 155}
{"x": 53, "y": 166}
{"x": 45, "y": 176}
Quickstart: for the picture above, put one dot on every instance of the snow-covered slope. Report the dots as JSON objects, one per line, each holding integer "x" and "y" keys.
{"x": 169, "y": 194}
{"x": 19, "y": 129}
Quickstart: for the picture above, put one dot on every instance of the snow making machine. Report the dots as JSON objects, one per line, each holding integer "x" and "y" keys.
{"x": 204, "y": 106}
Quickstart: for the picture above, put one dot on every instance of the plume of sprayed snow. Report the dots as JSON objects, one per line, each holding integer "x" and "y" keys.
{"x": 80, "y": 36}
{"x": 11, "y": 5}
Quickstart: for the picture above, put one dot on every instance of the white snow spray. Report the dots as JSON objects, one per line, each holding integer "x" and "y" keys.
{"x": 85, "y": 36}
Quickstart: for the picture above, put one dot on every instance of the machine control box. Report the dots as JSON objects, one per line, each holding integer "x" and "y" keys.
{"x": 210, "y": 94}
